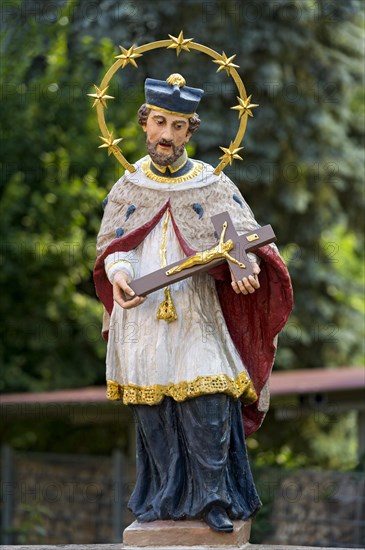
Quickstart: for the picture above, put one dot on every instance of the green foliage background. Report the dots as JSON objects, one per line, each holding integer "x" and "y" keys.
{"x": 302, "y": 172}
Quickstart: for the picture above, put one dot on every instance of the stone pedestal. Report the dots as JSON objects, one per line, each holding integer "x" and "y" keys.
{"x": 184, "y": 533}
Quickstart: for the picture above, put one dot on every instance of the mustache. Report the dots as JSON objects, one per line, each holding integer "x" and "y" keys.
{"x": 164, "y": 159}
{"x": 165, "y": 142}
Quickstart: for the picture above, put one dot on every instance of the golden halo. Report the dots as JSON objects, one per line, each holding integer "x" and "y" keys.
{"x": 128, "y": 57}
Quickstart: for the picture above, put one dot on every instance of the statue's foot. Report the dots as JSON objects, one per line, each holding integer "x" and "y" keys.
{"x": 217, "y": 518}
{"x": 147, "y": 517}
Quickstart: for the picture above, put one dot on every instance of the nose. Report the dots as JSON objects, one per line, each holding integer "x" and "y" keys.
{"x": 167, "y": 133}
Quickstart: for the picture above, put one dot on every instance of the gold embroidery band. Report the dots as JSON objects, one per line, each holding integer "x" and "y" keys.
{"x": 195, "y": 171}
{"x": 155, "y": 107}
{"x": 131, "y": 394}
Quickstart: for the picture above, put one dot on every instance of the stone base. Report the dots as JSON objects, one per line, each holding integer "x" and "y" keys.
{"x": 110, "y": 546}
{"x": 184, "y": 533}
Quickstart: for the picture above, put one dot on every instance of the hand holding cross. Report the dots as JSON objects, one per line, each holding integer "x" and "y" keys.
{"x": 237, "y": 245}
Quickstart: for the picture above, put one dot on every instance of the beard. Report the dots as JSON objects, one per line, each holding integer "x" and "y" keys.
{"x": 160, "y": 158}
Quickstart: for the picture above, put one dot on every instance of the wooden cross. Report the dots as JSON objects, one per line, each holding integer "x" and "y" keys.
{"x": 231, "y": 248}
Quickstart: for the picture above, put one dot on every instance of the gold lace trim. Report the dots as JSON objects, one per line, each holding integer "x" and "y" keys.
{"x": 131, "y": 394}
{"x": 193, "y": 172}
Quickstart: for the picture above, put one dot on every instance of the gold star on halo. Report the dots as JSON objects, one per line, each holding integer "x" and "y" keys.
{"x": 244, "y": 106}
{"x": 100, "y": 96}
{"x": 230, "y": 154}
{"x": 128, "y": 56}
{"x": 179, "y": 43}
{"x": 225, "y": 63}
{"x": 110, "y": 143}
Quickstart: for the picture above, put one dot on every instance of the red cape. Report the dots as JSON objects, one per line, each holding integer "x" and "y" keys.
{"x": 253, "y": 320}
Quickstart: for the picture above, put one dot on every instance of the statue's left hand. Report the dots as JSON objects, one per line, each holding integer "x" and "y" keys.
{"x": 247, "y": 285}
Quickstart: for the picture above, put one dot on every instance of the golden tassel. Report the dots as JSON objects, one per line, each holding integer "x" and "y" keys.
{"x": 166, "y": 310}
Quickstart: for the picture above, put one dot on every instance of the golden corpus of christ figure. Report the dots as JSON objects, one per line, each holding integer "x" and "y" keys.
{"x": 221, "y": 250}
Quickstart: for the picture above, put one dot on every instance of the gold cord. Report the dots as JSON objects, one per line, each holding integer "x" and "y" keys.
{"x": 166, "y": 310}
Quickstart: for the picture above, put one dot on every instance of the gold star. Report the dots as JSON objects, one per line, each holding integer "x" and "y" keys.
{"x": 180, "y": 43}
{"x": 225, "y": 63}
{"x": 110, "y": 143}
{"x": 244, "y": 106}
{"x": 230, "y": 153}
{"x": 100, "y": 96}
{"x": 128, "y": 56}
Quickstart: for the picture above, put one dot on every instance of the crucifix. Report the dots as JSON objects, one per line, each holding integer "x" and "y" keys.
{"x": 231, "y": 248}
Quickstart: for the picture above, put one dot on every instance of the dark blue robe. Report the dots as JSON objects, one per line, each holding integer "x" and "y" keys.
{"x": 190, "y": 456}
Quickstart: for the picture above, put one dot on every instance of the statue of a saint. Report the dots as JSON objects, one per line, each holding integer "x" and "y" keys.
{"x": 194, "y": 385}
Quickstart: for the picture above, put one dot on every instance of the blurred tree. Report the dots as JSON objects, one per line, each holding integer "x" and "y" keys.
{"x": 302, "y": 61}
{"x": 51, "y": 198}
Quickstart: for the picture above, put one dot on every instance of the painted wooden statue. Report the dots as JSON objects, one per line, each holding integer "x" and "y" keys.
{"x": 193, "y": 359}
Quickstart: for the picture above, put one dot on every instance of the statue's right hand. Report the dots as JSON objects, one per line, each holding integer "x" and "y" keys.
{"x": 123, "y": 294}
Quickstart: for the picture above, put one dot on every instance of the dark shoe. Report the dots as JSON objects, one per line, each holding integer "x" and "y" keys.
{"x": 216, "y": 517}
{"x": 147, "y": 517}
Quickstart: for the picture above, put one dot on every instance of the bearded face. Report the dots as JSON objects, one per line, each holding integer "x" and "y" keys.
{"x": 166, "y": 135}
{"x": 164, "y": 158}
